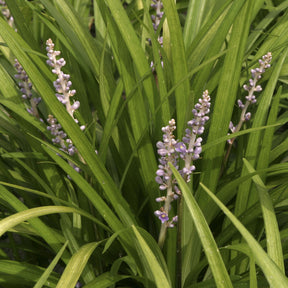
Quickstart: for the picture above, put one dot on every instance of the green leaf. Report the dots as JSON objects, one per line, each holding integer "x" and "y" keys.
{"x": 209, "y": 245}
{"x": 273, "y": 274}
{"x": 15, "y": 219}
{"x": 226, "y": 95}
{"x": 43, "y": 230}
{"x": 150, "y": 261}
{"x": 273, "y": 238}
{"x": 23, "y": 273}
{"x": 134, "y": 46}
{"x": 105, "y": 280}
{"x": 45, "y": 276}
{"x": 76, "y": 265}
{"x": 182, "y": 92}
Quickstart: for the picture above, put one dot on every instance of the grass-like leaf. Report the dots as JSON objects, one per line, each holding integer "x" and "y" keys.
{"x": 44, "y": 277}
{"x": 273, "y": 274}
{"x": 150, "y": 262}
{"x": 25, "y": 215}
{"x": 274, "y": 246}
{"x": 76, "y": 265}
{"x": 211, "y": 250}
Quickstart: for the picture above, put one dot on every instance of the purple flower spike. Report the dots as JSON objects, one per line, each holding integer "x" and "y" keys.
{"x": 189, "y": 150}
{"x": 200, "y": 111}
{"x": 26, "y": 88}
{"x": 62, "y": 84}
{"x": 157, "y": 5}
{"x": 256, "y": 75}
{"x": 251, "y": 88}
{"x": 63, "y": 93}
{"x": 167, "y": 150}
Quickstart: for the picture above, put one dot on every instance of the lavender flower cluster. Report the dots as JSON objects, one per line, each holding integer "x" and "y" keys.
{"x": 190, "y": 148}
{"x": 166, "y": 150}
{"x": 62, "y": 84}
{"x": 63, "y": 93}
{"x": 157, "y": 5}
{"x": 26, "y": 89}
{"x": 171, "y": 150}
{"x": 250, "y": 98}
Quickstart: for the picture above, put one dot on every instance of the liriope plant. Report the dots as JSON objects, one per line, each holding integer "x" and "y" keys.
{"x": 77, "y": 182}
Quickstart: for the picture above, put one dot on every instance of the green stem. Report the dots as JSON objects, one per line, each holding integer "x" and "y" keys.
{"x": 162, "y": 235}
{"x": 179, "y": 240}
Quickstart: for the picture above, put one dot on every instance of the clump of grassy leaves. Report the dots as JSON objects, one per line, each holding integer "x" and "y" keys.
{"x": 97, "y": 227}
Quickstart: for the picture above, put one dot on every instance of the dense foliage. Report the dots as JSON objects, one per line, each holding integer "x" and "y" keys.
{"x": 106, "y": 95}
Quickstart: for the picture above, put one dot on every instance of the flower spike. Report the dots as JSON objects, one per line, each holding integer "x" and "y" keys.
{"x": 63, "y": 93}
{"x": 26, "y": 90}
{"x": 62, "y": 84}
{"x": 252, "y": 87}
{"x": 169, "y": 150}
{"x": 190, "y": 148}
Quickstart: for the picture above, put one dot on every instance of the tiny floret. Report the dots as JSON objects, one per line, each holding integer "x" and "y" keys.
{"x": 163, "y": 217}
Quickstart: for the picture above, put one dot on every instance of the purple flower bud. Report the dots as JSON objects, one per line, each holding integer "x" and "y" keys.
{"x": 162, "y": 187}
{"x": 247, "y": 116}
{"x": 175, "y": 196}
{"x": 246, "y": 87}
{"x": 75, "y": 105}
{"x": 159, "y": 180}
{"x": 258, "y": 88}
{"x": 160, "y": 199}
{"x": 175, "y": 218}
{"x": 240, "y": 104}
{"x": 197, "y": 150}
{"x": 160, "y": 172}
{"x": 232, "y": 127}
{"x": 162, "y": 152}
{"x": 177, "y": 190}
{"x": 76, "y": 168}
{"x": 188, "y": 170}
